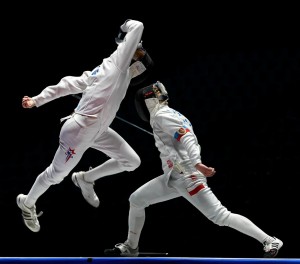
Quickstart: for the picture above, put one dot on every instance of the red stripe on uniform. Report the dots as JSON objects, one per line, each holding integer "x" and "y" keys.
{"x": 197, "y": 189}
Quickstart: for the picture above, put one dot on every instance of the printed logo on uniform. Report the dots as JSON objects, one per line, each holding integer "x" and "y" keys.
{"x": 69, "y": 154}
{"x": 95, "y": 71}
{"x": 180, "y": 133}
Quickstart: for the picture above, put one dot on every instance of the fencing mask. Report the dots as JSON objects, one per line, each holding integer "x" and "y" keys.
{"x": 149, "y": 98}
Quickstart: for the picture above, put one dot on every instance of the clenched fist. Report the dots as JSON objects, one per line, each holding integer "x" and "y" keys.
{"x": 206, "y": 171}
{"x": 27, "y": 102}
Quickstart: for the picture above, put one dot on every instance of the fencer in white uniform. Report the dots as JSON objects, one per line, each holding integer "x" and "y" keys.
{"x": 103, "y": 90}
{"x": 184, "y": 175}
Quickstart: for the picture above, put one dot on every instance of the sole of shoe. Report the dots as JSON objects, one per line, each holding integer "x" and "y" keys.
{"x": 271, "y": 254}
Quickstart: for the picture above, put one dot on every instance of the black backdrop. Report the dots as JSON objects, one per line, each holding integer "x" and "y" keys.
{"x": 235, "y": 74}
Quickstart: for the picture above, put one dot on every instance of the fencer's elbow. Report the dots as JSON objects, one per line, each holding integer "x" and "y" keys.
{"x": 139, "y": 24}
{"x": 135, "y": 24}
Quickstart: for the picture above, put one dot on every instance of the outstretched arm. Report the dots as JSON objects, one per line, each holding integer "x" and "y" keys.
{"x": 67, "y": 85}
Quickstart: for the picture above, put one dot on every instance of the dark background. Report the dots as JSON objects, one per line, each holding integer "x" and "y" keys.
{"x": 233, "y": 71}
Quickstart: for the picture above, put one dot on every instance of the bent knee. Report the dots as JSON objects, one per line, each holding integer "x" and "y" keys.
{"x": 135, "y": 162}
{"x": 137, "y": 201}
{"x": 131, "y": 164}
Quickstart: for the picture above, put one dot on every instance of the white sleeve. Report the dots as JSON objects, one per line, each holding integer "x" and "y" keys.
{"x": 192, "y": 147}
{"x": 183, "y": 135}
{"x": 126, "y": 49}
{"x": 67, "y": 85}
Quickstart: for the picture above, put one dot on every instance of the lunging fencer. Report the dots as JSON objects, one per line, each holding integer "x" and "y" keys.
{"x": 184, "y": 175}
{"x": 103, "y": 90}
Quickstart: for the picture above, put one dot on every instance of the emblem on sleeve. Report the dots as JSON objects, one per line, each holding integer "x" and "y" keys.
{"x": 180, "y": 133}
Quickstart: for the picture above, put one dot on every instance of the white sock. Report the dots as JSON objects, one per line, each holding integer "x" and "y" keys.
{"x": 37, "y": 189}
{"x": 136, "y": 220}
{"x": 268, "y": 240}
{"x": 244, "y": 225}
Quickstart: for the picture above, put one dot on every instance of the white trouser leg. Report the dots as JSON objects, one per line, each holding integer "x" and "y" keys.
{"x": 208, "y": 204}
{"x": 152, "y": 192}
{"x": 74, "y": 140}
{"x": 123, "y": 157}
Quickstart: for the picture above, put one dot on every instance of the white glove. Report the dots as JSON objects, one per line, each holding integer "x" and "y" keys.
{"x": 122, "y": 33}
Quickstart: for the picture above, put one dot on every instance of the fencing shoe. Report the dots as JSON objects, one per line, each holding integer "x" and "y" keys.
{"x": 29, "y": 215}
{"x": 87, "y": 188}
{"x": 122, "y": 250}
{"x": 271, "y": 249}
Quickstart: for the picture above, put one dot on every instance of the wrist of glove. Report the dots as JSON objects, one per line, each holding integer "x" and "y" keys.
{"x": 123, "y": 26}
{"x": 122, "y": 33}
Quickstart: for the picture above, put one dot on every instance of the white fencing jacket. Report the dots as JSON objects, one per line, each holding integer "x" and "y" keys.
{"x": 175, "y": 139}
{"x": 103, "y": 88}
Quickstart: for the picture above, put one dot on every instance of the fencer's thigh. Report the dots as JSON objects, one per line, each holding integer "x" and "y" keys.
{"x": 152, "y": 192}
{"x": 113, "y": 145}
{"x": 74, "y": 140}
{"x": 204, "y": 200}
{"x": 76, "y": 135}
